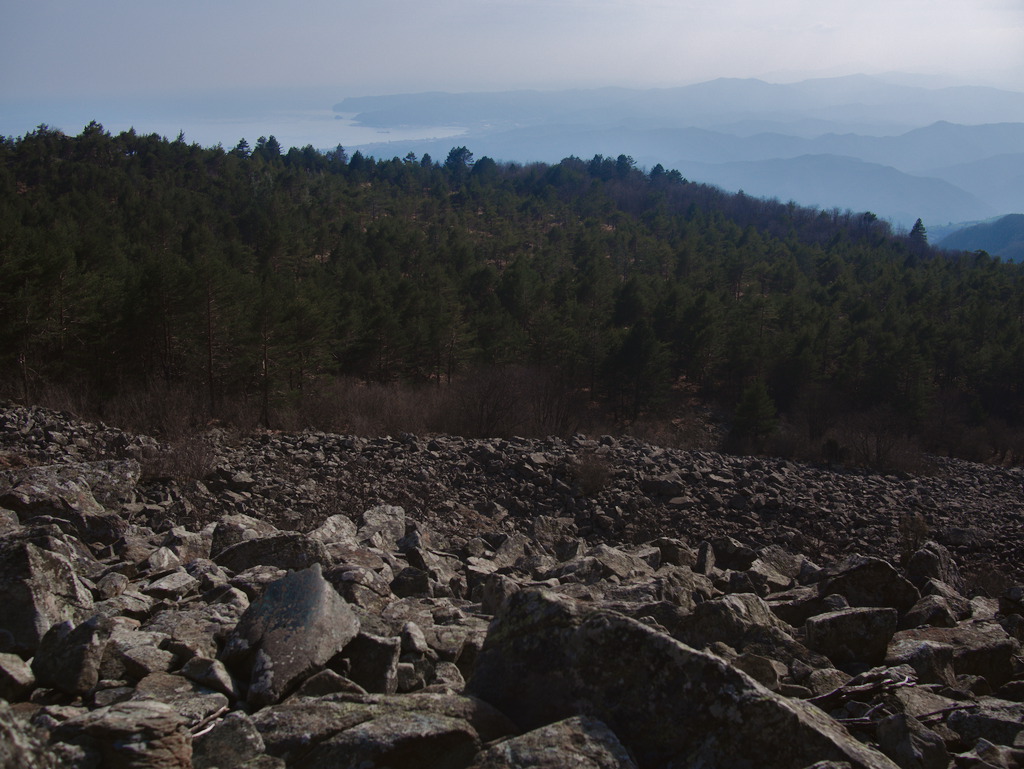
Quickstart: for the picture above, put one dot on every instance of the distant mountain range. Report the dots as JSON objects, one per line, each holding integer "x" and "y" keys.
{"x": 863, "y": 143}
{"x": 1003, "y": 237}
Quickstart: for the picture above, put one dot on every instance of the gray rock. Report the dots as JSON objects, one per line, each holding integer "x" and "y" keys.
{"x": 852, "y": 635}
{"x": 546, "y": 658}
{"x": 911, "y": 744}
{"x": 866, "y": 581}
{"x": 581, "y": 742}
{"x": 38, "y": 589}
{"x": 137, "y": 734}
{"x": 283, "y": 551}
{"x": 374, "y": 662}
{"x": 933, "y": 561}
{"x": 401, "y": 740}
{"x": 382, "y": 526}
{"x": 289, "y": 634}
{"x": 228, "y": 745}
{"x": 69, "y": 657}
{"x": 16, "y": 678}
{"x": 190, "y": 700}
{"x": 21, "y": 745}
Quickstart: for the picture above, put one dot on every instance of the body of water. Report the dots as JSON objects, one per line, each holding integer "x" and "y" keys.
{"x": 210, "y": 121}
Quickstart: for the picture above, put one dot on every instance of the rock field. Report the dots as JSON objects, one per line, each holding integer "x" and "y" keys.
{"x": 316, "y": 600}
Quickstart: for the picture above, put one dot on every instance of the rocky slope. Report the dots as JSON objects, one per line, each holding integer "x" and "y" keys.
{"x": 323, "y": 600}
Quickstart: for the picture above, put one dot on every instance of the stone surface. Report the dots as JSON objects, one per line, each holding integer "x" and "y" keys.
{"x": 546, "y": 659}
{"x": 289, "y": 634}
{"x": 852, "y": 635}
{"x": 580, "y": 742}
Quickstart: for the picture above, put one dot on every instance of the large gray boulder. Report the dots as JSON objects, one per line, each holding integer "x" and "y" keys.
{"x": 289, "y": 634}
{"x": 547, "y": 658}
{"x": 38, "y": 589}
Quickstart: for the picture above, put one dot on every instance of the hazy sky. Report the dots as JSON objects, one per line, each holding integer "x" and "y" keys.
{"x": 65, "y": 48}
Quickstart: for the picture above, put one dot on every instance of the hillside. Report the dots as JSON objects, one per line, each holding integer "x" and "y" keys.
{"x": 315, "y": 600}
{"x": 943, "y": 138}
{"x": 1003, "y": 237}
{"x": 171, "y": 284}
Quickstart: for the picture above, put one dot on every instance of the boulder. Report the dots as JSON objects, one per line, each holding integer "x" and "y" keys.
{"x": 934, "y": 561}
{"x": 911, "y": 744}
{"x": 852, "y": 635}
{"x": 289, "y": 634}
{"x": 581, "y": 742}
{"x": 400, "y": 740}
{"x": 38, "y": 589}
{"x": 16, "y": 678}
{"x": 137, "y": 734}
{"x": 69, "y": 657}
{"x": 867, "y": 581}
{"x": 283, "y": 551}
{"x": 228, "y": 745}
{"x": 547, "y": 658}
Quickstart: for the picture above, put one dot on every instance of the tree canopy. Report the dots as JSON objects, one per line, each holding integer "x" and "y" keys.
{"x": 132, "y": 261}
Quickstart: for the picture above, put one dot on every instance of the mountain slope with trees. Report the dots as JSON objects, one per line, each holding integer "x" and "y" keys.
{"x": 284, "y": 286}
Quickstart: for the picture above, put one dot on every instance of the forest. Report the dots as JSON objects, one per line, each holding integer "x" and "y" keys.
{"x": 166, "y": 285}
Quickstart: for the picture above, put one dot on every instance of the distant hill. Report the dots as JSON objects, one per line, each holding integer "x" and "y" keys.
{"x": 944, "y": 155}
{"x": 825, "y": 181}
{"x": 1003, "y": 237}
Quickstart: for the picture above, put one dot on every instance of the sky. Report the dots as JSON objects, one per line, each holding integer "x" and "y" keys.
{"x": 317, "y": 52}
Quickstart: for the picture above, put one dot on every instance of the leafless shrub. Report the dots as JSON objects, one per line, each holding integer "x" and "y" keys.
{"x": 189, "y": 458}
{"x": 913, "y": 533}
{"x": 591, "y": 473}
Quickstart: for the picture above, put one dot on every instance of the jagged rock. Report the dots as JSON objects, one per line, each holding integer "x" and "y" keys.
{"x": 996, "y": 721}
{"x": 336, "y": 528}
{"x": 374, "y": 662}
{"x": 933, "y": 561}
{"x": 382, "y": 526}
{"x": 232, "y": 529}
{"x": 979, "y": 649}
{"x": 932, "y": 661}
{"x": 546, "y": 658}
{"x": 38, "y": 589}
{"x": 229, "y": 744}
{"x": 911, "y": 744}
{"x": 190, "y": 700}
{"x": 581, "y": 742}
{"x": 867, "y": 581}
{"x": 290, "y": 633}
{"x": 933, "y": 610}
{"x": 366, "y": 588}
{"x": 852, "y": 635}
{"x": 283, "y": 551}
{"x": 16, "y": 678}
{"x": 21, "y": 745}
{"x": 69, "y": 657}
{"x": 137, "y": 734}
